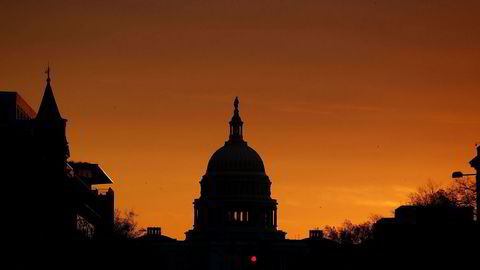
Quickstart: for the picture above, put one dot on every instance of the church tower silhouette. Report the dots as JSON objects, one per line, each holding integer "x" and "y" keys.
{"x": 50, "y": 128}
{"x": 235, "y": 201}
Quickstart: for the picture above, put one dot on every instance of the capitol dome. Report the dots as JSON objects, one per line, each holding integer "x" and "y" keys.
{"x": 235, "y": 158}
{"x": 235, "y": 193}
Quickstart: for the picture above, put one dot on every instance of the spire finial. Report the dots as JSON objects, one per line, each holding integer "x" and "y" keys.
{"x": 48, "y": 73}
{"x": 235, "y": 103}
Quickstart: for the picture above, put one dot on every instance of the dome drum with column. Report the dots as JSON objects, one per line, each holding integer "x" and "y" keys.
{"x": 225, "y": 187}
{"x": 235, "y": 200}
{"x": 235, "y": 213}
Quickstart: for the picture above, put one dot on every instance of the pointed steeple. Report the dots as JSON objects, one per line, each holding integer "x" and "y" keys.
{"x": 236, "y": 124}
{"x": 50, "y": 128}
{"x": 48, "y": 107}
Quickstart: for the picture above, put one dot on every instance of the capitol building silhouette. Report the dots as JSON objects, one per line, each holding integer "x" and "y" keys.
{"x": 235, "y": 200}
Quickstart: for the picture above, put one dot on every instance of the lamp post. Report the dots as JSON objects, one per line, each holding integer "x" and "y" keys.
{"x": 475, "y": 163}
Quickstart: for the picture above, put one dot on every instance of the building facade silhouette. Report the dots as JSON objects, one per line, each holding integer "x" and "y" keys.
{"x": 59, "y": 198}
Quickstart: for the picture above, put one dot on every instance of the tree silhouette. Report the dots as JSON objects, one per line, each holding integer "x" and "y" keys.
{"x": 350, "y": 233}
{"x": 125, "y": 226}
{"x": 460, "y": 193}
{"x": 463, "y": 191}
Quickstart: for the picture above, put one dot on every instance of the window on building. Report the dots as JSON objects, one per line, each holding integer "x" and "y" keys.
{"x": 273, "y": 217}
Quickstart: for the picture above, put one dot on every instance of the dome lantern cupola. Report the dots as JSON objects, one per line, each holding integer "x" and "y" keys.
{"x": 236, "y": 124}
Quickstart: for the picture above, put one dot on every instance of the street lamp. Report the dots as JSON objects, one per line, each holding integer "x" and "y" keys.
{"x": 475, "y": 163}
{"x": 461, "y": 174}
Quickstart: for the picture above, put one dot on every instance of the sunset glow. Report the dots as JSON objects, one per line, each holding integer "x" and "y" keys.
{"x": 351, "y": 104}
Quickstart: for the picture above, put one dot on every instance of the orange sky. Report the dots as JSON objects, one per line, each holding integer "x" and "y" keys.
{"x": 351, "y": 104}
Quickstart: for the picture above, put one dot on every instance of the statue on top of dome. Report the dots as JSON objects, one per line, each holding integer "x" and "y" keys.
{"x": 235, "y": 103}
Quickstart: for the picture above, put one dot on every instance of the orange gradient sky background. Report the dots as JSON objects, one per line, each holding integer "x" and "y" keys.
{"x": 351, "y": 104}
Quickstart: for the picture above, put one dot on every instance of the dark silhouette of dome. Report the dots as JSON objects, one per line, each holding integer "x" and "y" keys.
{"x": 235, "y": 157}
{"x": 235, "y": 196}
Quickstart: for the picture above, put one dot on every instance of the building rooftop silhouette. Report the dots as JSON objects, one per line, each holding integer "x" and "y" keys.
{"x": 14, "y": 108}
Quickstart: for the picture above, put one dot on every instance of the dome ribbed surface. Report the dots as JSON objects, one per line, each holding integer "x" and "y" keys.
{"x": 235, "y": 157}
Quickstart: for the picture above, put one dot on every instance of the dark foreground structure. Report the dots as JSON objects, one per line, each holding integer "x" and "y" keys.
{"x": 235, "y": 219}
{"x": 60, "y": 219}
{"x": 235, "y": 228}
{"x": 50, "y": 201}
{"x": 440, "y": 236}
